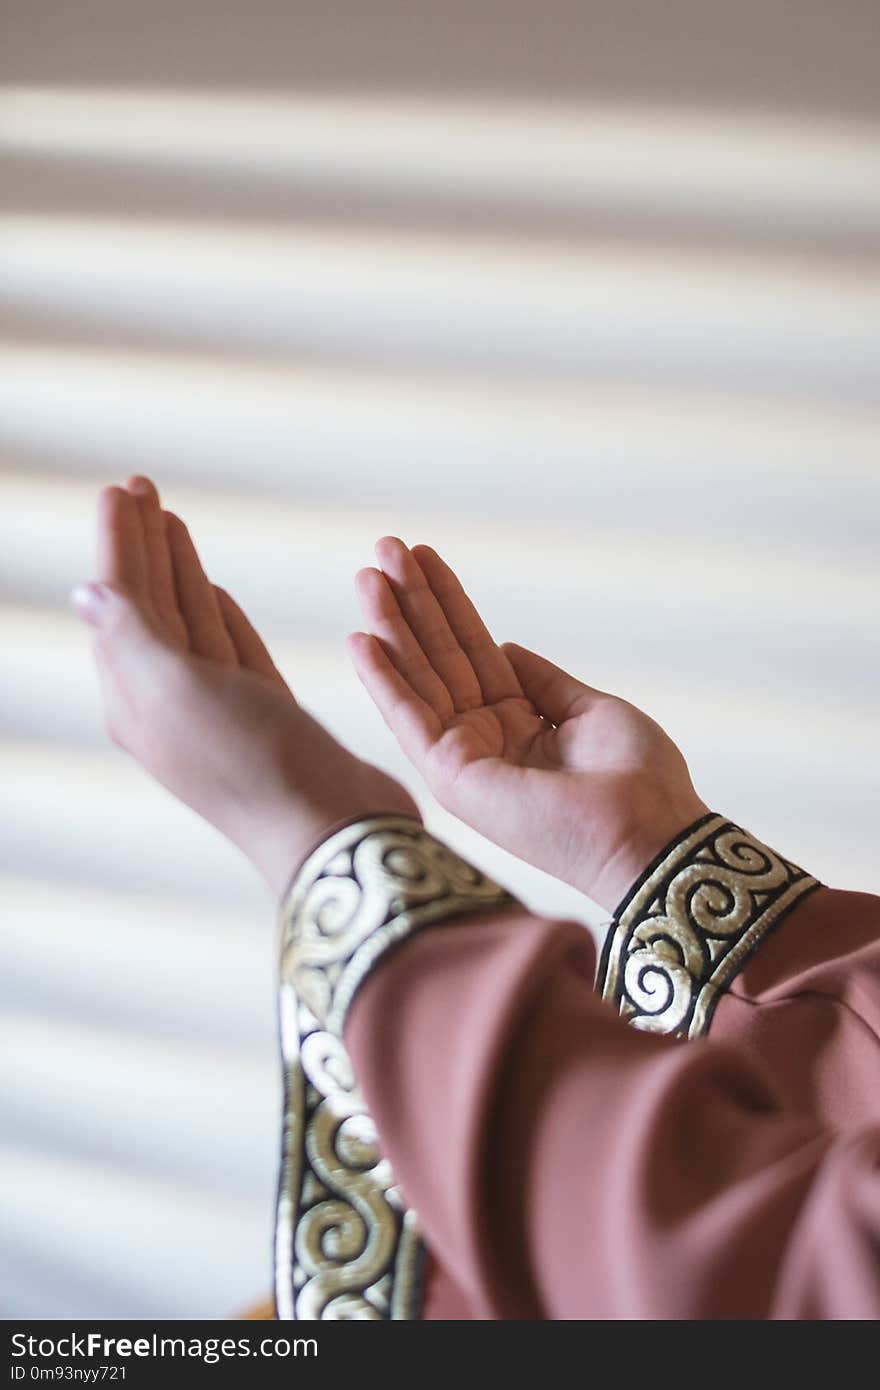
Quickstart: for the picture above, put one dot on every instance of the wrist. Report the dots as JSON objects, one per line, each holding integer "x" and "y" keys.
{"x": 287, "y": 833}
{"x": 641, "y": 843}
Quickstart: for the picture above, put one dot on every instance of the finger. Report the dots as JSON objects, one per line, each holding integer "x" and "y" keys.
{"x": 384, "y": 619}
{"x": 491, "y": 666}
{"x": 196, "y": 599}
{"x": 249, "y": 645}
{"x": 121, "y": 550}
{"x": 411, "y": 719}
{"x": 428, "y": 623}
{"x": 160, "y": 571}
{"x": 555, "y": 694}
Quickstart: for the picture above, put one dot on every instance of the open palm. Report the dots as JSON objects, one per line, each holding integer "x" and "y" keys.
{"x": 571, "y": 779}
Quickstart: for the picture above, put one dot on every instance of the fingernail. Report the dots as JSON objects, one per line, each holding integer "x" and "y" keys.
{"x": 86, "y": 600}
{"x": 140, "y": 486}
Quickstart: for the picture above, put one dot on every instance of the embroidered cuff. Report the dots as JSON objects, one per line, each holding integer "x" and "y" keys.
{"x": 346, "y": 1244}
{"x": 694, "y": 917}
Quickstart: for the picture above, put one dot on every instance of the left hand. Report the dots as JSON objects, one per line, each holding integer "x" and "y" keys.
{"x": 191, "y": 692}
{"x": 572, "y": 779}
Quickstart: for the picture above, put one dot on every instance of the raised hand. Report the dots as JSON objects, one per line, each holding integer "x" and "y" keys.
{"x": 191, "y": 692}
{"x": 571, "y": 779}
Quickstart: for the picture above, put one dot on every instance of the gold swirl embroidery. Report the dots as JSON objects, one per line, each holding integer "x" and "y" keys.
{"x": 689, "y": 924}
{"x": 346, "y": 1244}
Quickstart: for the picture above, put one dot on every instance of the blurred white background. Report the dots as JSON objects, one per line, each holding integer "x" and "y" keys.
{"x": 585, "y": 296}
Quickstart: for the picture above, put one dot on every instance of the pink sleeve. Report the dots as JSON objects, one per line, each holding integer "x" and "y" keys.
{"x": 565, "y": 1165}
{"x": 722, "y": 936}
{"x": 807, "y": 1006}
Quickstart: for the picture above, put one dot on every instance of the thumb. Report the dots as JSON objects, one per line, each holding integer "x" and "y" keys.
{"x": 555, "y": 694}
{"x": 89, "y": 602}
{"x": 113, "y": 614}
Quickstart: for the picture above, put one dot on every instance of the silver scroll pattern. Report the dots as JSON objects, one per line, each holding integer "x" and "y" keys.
{"x": 686, "y": 929}
{"x": 346, "y": 1244}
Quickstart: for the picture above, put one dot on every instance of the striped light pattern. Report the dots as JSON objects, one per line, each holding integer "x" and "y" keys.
{"x": 621, "y": 363}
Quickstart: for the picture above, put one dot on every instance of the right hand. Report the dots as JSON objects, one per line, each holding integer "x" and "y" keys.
{"x": 569, "y": 778}
{"x": 191, "y": 692}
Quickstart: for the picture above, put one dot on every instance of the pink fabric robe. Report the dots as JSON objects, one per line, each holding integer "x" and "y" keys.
{"x": 567, "y": 1165}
